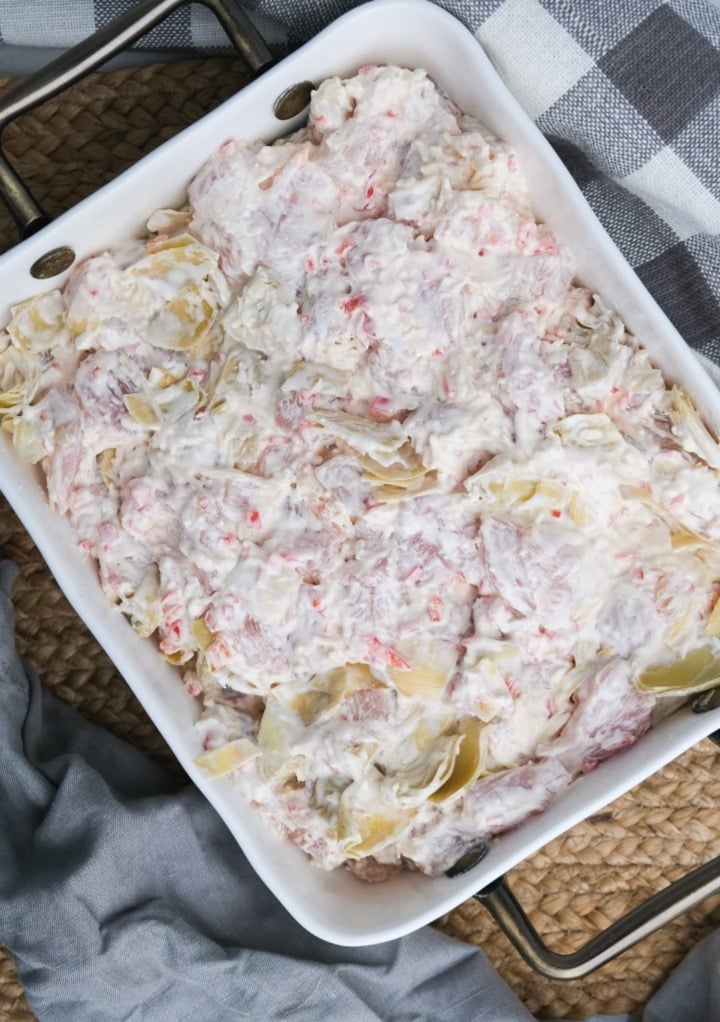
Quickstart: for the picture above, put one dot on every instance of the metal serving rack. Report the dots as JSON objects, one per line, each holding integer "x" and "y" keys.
{"x": 87, "y": 56}
{"x": 639, "y": 922}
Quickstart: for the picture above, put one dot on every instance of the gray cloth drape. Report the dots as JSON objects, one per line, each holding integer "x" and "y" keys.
{"x": 124, "y": 897}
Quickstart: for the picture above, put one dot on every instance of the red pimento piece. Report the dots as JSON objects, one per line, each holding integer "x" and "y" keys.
{"x": 253, "y": 518}
{"x": 524, "y": 235}
{"x": 174, "y": 630}
{"x": 381, "y": 409}
{"x": 448, "y": 389}
{"x": 217, "y": 654}
{"x": 513, "y": 685}
{"x": 192, "y": 684}
{"x": 434, "y": 608}
{"x": 556, "y": 512}
{"x": 367, "y": 325}
{"x": 344, "y": 246}
{"x": 108, "y": 533}
{"x": 621, "y": 394}
{"x": 352, "y": 303}
{"x": 388, "y": 656}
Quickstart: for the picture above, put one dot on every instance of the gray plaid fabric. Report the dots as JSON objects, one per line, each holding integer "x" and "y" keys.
{"x": 628, "y": 94}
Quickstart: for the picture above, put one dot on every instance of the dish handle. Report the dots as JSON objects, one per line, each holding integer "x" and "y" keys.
{"x": 640, "y": 922}
{"x": 88, "y": 55}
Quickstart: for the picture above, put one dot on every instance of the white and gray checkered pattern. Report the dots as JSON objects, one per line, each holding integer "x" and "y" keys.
{"x": 628, "y": 93}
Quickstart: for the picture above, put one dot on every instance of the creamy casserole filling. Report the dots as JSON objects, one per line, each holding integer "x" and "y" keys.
{"x": 426, "y": 531}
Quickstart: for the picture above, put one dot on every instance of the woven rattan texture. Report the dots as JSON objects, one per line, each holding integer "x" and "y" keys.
{"x": 574, "y": 886}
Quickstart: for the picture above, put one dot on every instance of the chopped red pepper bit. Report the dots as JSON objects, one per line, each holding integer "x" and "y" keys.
{"x": 350, "y": 304}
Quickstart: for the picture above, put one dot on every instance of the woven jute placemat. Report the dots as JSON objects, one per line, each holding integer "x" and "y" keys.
{"x": 576, "y": 885}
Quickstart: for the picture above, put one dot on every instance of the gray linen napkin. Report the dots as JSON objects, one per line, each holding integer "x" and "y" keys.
{"x": 123, "y": 896}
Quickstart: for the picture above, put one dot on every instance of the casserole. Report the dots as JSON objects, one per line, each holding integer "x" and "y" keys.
{"x": 334, "y": 906}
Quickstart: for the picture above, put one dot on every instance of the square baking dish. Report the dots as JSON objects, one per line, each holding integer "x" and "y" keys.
{"x": 336, "y": 906}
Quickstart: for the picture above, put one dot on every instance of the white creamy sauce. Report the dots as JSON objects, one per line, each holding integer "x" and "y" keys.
{"x": 410, "y": 506}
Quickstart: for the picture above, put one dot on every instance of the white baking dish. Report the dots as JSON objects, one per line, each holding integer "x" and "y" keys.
{"x": 336, "y": 906}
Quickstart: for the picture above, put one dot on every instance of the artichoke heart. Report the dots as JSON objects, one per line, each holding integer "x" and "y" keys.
{"x": 26, "y": 440}
{"x": 503, "y": 484}
{"x": 431, "y": 664}
{"x": 184, "y": 320}
{"x": 279, "y": 729}
{"x": 698, "y": 670}
{"x": 513, "y": 489}
{"x": 366, "y": 824}
{"x": 399, "y": 473}
{"x": 201, "y": 633}
{"x": 468, "y": 762}
{"x": 713, "y": 625}
{"x": 424, "y": 680}
{"x": 106, "y": 462}
{"x": 228, "y": 757}
{"x": 141, "y": 408}
{"x": 38, "y": 323}
{"x": 587, "y": 430}
{"x": 185, "y": 275}
{"x": 426, "y": 775}
{"x": 327, "y": 691}
{"x": 400, "y": 479}
{"x": 375, "y": 832}
{"x": 689, "y": 427}
{"x": 178, "y": 400}
{"x": 19, "y": 379}
{"x": 680, "y": 535}
{"x": 142, "y": 605}
{"x": 384, "y": 442}
{"x": 166, "y": 253}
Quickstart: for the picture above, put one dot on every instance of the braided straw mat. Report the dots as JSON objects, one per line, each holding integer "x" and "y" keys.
{"x": 576, "y": 885}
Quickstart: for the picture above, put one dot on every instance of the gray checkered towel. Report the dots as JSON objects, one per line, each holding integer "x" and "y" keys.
{"x": 627, "y": 92}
